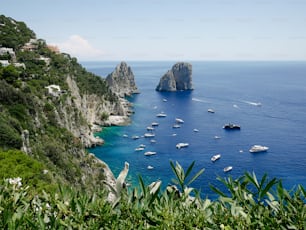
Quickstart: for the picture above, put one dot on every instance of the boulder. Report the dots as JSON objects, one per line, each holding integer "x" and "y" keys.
{"x": 178, "y": 78}
{"x": 122, "y": 81}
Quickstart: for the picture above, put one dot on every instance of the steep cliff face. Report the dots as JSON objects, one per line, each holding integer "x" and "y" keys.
{"x": 122, "y": 80}
{"x": 51, "y": 106}
{"x": 178, "y": 78}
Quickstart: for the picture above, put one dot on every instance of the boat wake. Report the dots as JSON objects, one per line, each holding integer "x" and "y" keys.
{"x": 199, "y": 100}
{"x": 253, "y": 103}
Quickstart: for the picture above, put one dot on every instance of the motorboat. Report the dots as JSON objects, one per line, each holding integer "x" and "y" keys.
{"x": 161, "y": 115}
{"x": 217, "y": 137}
{"x": 176, "y": 126}
{"x": 149, "y": 153}
{"x": 153, "y": 141}
{"x": 215, "y": 157}
{"x": 135, "y": 137}
{"x": 139, "y": 149}
{"x": 182, "y": 145}
{"x": 142, "y": 146}
{"x": 211, "y": 111}
{"x": 150, "y": 167}
{"x": 179, "y": 121}
{"x": 148, "y": 135}
{"x": 231, "y": 126}
{"x": 258, "y": 148}
{"x": 154, "y": 124}
{"x": 149, "y": 128}
{"x": 195, "y": 130}
{"x": 228, "y": 168}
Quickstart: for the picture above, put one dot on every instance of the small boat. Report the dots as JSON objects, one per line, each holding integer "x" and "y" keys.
{"x": 149, "y": 153}
{"x": 150, "y": 167}
{"x": 142, "y": 146}
{"x": 182, "y": 145}
{"x": 153, "y": 141}
{"x": 217, "y": 137}
{"x": 165, "y": 100}
{"x": 125, "y": 135}
{"x": 258, "y": 148}
{"x": 149, "y": 128}
{"x": 215, "y": 157}
{"x": 139, "y": 149}
{"x": 161, "y": 115}
{"x": 210, "y": 111}
{"x": 231, "y": 126}
{"x": 228, "y": 168}
{"x": 154, "y": 124}
{"x": 149, "y": 135}
{"x": 135, "y": 137}
{"x": 179, "y": 121}
{"x": 176, "y": 126}
{"x": 195, "y": 130}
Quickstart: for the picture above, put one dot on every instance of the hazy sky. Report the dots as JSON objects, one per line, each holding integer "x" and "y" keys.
{"x": 168, "y": 29}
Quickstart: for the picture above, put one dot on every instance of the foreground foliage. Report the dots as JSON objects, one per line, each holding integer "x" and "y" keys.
{"x": 247, "y": 204}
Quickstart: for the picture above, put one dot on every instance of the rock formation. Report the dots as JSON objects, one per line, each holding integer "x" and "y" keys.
{"x": 121, "y": 80}
{"x": 178, "y": 78}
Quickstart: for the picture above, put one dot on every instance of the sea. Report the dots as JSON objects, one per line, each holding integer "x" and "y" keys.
{"x": 266, "y": 98}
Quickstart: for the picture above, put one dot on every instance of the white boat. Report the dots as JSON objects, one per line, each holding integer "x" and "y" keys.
{"x": 179, "y": 121}
{"x": 210, "y": 111}
{"x": 142, "y": 146}
{"x": 149, "y": 153}
{"x": 228, "y": 168}
{"x": 165, "y": 100}
{"x": 215, "y": 157}
{"x": 149, "y": 128}
{"x": 135, "y": 137}
{"x": 139, "y": 149}
{"x": 195, "y": 130}
{"x": 182, "y": 145}
{"x": 161, "y": 115}
{"x": 150, "y": 167}
{"x": 258, "y": 148}
{"x": 154, "y": 124}
{"x": 153, "y": 141}
{"x": 176, "y": 126}
{"x": 217, "y": 137}
{"x": 148, "y": 135}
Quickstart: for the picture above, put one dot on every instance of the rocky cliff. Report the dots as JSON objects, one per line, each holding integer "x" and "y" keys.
{"x": 51, "y": 107}
{"x": 178, "y": 78}
{"x": 122, "y": 81}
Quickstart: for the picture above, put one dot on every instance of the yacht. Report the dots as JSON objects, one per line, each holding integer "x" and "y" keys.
{"x": 179, "y": 121}
{"x": 182, "y": 145}
{"x": 258, "y": 148}
{"x": 147, "y": 135}
{"x": 149, "y": 128}
{"x": 231, "y": 126}
{"x": 215, "y": 157}
{"x": 154, "y": 124}
{"x": 228, "y": 168}
{"x": 149, "y": 153}
{"x": 161, "y": 115}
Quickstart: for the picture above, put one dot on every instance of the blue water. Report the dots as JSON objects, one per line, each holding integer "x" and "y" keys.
{"x": 231, "y": 89}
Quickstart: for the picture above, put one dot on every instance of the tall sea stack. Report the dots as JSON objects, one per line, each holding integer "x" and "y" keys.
{"x": 121, "y": 80}
{"x": 178, "y": 78}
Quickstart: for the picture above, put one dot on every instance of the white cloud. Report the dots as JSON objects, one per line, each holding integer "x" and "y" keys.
{"x": 80, "y": 48}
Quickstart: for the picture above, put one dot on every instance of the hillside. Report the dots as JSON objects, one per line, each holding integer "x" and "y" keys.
{"x": 50, "y": 108}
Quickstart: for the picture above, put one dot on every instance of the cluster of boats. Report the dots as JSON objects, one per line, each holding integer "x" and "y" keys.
{"x": 177, "y": 124}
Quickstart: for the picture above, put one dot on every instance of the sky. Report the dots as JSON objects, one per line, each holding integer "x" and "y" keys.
{"x": 100, "y": 30}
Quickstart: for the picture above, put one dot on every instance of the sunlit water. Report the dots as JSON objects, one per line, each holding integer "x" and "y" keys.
{"x": 268, "y": 100}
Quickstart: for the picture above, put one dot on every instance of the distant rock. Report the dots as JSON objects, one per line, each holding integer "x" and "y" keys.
{"x": 178, "y": 78}
{"x": 121, "y": 80}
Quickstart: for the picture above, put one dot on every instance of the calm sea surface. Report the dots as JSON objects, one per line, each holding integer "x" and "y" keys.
{"x": 233, "y": 90}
